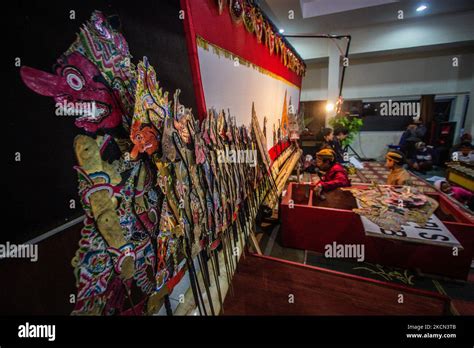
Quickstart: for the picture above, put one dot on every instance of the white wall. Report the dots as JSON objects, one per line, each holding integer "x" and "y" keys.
{"x": 315, "y": 83}
{"x": 403, "y": 76}
{"x": 230, "y": 86}
{"x": 375, "y": 144}
{"x": 411, "y": 76}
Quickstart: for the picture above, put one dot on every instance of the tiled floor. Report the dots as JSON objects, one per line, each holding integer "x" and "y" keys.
{"x": 377, "y": 172}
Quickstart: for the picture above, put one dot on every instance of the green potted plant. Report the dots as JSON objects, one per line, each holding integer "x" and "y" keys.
{"x": 351, "y": 123}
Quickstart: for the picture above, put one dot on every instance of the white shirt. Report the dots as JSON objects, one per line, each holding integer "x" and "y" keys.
{"x": 468, "y": 158}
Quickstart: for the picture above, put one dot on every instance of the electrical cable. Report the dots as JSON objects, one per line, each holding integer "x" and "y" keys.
{"x": 338, "y": 47}
{"x": 360, "y": 145}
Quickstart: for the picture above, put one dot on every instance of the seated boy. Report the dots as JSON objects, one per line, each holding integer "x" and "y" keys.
{"x": 422, "y": 159}
{"x": 398, "y": 175}
{"x": 335, "y": 175}
{"x": 465, "y": 153}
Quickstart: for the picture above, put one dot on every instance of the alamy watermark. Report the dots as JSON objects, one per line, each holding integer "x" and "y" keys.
{"x": 345, "y": 251}
{"x": 19, "y": 251}
{"x": 395, "y": 108}
{"x": 237, "y": 156}
{"x": 84, "y": 109}
{"x": 37, "y": 331}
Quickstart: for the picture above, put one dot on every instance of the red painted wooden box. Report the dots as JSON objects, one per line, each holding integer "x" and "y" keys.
{"x": 309, "y": 223}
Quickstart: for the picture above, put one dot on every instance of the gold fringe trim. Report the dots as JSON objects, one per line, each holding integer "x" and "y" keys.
{"x": 229, "y": 55}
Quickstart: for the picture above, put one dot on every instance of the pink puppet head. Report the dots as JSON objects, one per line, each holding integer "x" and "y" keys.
{"x": 78, "y": 82}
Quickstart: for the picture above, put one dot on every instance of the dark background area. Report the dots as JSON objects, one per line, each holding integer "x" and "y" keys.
{"x": 315, "y": 113}
{"x": 40, "y": 187}
{"x": 373, "y": 121}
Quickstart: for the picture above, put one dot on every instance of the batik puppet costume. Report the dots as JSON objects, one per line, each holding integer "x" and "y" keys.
{"x": 115, "y": 247}
{"x": 392, "y": 207}
{"x": 228, "y": 142}
{"x": 152, "y": 188}
{"x": 153, "y": 135}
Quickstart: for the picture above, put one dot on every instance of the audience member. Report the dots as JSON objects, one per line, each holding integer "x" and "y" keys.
{"x": 422, "y": 159}
{"x": 324, "y": 139}
{"x": 465, "y": 153}
{"x": 463, "y": 196}
{"x": 340, "y": 133}
{"x": 398, "y": 175}
{"x": 408, "y": 140}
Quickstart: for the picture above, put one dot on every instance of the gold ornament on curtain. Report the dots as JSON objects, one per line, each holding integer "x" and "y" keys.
{"x": 258, "y": 25}
{"x": 266, "y": 29}
{"x": 277, "y": 45}
{"x": 268, "y": 32}
{"x": 282, "y": 52}
{"x": 220, "y": 6}
{"x": 271, "y": 42}
{"x": 236, "y": 10}
{"x": 249, "y": 20}
{"x": 245, "y": 11}
{"x": 291, "y": 61}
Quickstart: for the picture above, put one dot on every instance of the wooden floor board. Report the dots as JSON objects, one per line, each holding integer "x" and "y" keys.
{"x": 264, "y": 286}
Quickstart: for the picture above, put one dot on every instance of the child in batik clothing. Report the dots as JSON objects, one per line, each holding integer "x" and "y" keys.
{"x": 398, "y": 175}
{"x": 335, "y": 175}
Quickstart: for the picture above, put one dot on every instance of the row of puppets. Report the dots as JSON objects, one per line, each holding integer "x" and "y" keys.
{"x": 154, "y": 192}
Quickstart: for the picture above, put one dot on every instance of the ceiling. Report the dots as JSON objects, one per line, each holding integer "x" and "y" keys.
{"x": 344, "y": 17}
{"x": 316, "y": 8}
{"x": 364, "y": 18}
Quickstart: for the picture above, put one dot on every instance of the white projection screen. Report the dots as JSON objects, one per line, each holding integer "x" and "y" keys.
{"x": 227, "y": 86}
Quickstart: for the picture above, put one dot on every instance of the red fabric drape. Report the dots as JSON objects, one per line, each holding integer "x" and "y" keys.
{"x": 194, "y": 59}
{"x": 276, "y": 150}
{"x": 223, "y": 32}
{"x": 202, "y": 19}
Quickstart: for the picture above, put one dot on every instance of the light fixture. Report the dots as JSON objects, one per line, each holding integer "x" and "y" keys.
{"x": 281, "y": 31}
{"x": 421, "y": 8}
{"x": 329, "y": 106}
